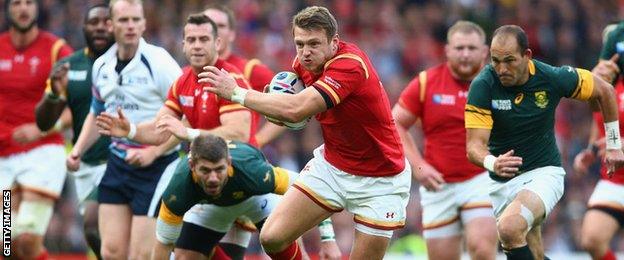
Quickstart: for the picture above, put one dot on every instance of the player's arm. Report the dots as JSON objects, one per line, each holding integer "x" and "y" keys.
{"x": 146, "y": 132}
{"x": 479, "y": 123}
{"x": 88, "y": 136}
{"x": 283, "y": 107}
{"x": 428, "y": 176}
{"x": 268, "y": 132}
{"x": 235, "y": 125}
{"x": 168, "y": 227}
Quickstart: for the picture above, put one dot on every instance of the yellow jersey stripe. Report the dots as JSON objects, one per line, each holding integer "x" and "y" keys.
{"x": 475, "y": 118}
{"x": 330, "y": 90}
{"x": 422, "y": 79}
{"x": 349, "y": 56}
{"x": 478, "y": 109}
{"x": 282, "y": 180}
{"x": 249, "y": 68}
{"x": 167, "y": 216}
{"x": 585, "y": 85}
{"x": 56, "y": 47}
{"x": 531, "y": 67}
{"x": 173, "y": 106}
{"x": 231, "y": 107}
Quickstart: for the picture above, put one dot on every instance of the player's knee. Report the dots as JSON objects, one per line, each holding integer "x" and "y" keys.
{"x": 592, "y": 241}
{"x": 271, "y": 241}
{"x": 112, "y": 251}
{"x": 512, "y": 229}
{"x": 481, "y": 249}
{"x": 29, "y": 245}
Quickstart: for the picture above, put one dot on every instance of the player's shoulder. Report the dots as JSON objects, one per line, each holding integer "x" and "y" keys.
{"x": 485, "y": 76}
{"x": 550, "y": 71}
{"x": 229, "y": 67}
{"x": 348, "y": 55}
{"x": 48, "y": 37}
{"x": 240, "y": 149}
{"x": 436, "y": 71}
{"x": 108, "y": 56}
{"x": 77, "y": 56}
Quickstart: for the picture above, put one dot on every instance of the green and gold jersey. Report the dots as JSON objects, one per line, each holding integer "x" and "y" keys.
{"x": 521, "y": 118}
{"x": 250, "y": 174}
{"x": 79, "y": 95}
{"x": 614, "y": 44}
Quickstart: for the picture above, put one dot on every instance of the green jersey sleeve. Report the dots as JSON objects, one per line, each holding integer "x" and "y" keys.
{"x": 573, "y": 82}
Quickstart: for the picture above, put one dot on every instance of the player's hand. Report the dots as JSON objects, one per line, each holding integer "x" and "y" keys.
{"x": 329, "y": 251}
{"x": 608, "y": 69}
{"x": 141, "y": 157}
{"x": 116, "y": 126}
{"x": 73, "y": 161}
{"x": 172, "y": 125}
{"x": 583, "y": 160}
{"x": 507, "y": 165}
{"x": 220, "y": 81}
{"x": 429, "y": 177}
{"x": 26, "y": 133}
{"x": 614, "y": 160}
{"x": 58, "y": 78}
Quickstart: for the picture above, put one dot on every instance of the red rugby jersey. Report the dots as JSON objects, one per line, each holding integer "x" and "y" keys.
{"x": 257, "y": 75}
{"x": 618, "y": 176}
{"x": 201, "y": 107}
{"x": 439, "y": 102}
{"x": 23, "y": 75}
{"x": 358, "y": 128}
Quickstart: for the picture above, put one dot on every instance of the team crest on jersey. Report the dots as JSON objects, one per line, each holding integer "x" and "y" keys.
{"x": 518, "y": 98}
{"x": 6, "y": 65}
{"x": 186, "y": 101}
{"x": 541, "y": 99}
{"x": 501, "y": 104}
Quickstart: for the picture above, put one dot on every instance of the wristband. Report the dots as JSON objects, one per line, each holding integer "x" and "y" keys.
{"x": 488, "y": 162}
{"x": 192, "y": 133}
{"x": 239, "y": 95}
{"x": 612, "y": 135}
{"x": 132, "y": 132}
{"x": 326, "y": 229}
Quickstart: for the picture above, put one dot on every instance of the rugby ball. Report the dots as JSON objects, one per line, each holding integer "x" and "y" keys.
{"x": 286, "y": 82}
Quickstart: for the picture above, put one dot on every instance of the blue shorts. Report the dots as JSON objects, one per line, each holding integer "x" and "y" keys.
{"x": 141, "y": 188}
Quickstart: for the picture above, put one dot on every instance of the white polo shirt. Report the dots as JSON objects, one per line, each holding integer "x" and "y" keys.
{"x": 140, "y": 89}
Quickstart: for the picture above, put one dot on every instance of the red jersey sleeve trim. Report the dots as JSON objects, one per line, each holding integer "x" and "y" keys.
{"x": 56, "y": 47}
{"x": 348, "y": 56}
{"x": 329, "y": 90}
{"x": 249, "y": 68}
{"x": 422, "y": 80}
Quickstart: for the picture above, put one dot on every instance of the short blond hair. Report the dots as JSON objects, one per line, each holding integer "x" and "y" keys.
{"x": 113, "y": 2}
{"x": 316, "y": 17}
{"x": 465, "y": 27}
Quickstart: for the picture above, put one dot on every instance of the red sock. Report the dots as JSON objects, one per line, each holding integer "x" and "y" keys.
{"x": 219, "y": 254}
{"x": 43, "y": 255}
{"x": 609, "y": 256}
{"x": 292, "y": 252}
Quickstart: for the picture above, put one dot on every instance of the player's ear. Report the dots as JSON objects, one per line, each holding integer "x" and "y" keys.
{"x": 218, "y": 42}
{"x": 229, "y": 160}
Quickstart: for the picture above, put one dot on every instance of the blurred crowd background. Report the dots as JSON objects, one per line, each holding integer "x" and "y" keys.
{"x": 401, "y": 37}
